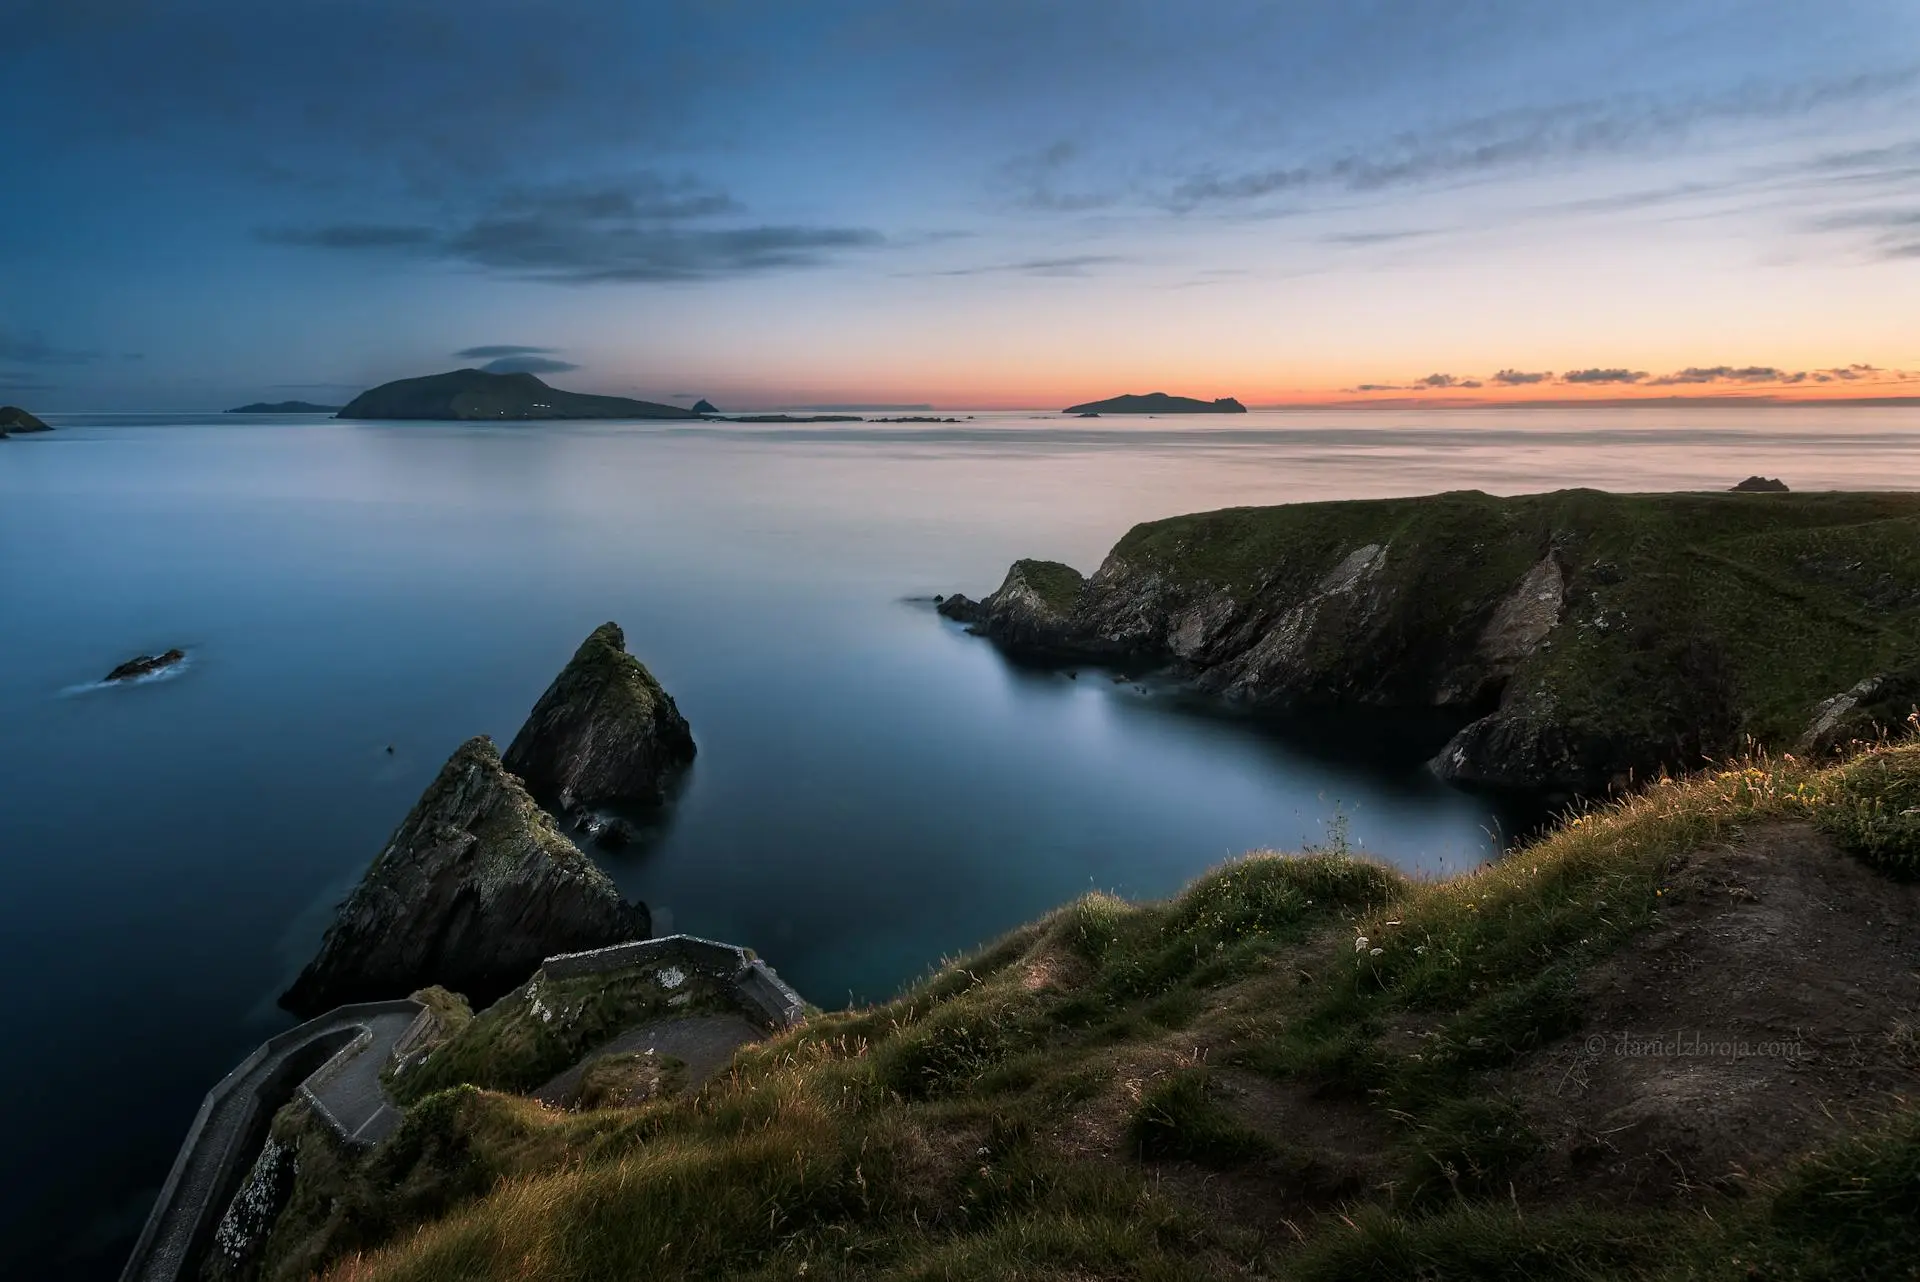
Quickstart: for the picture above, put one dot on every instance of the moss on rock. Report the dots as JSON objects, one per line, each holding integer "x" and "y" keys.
{"x": 472, "y": 892}
{"x": 604, "y": 731}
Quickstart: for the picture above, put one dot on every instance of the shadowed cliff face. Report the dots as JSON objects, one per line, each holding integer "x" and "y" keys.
{"x": 604, "y": 733}
{"x": 1585, "y": 638}
{"x": 472, "y": 892}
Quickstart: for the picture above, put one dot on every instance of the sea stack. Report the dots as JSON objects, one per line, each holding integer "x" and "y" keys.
{"x": 604, "y": 733}
{"x": 473, "y": 892}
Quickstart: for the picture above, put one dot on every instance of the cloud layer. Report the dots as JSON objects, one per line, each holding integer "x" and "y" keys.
{"x": 644, "y": 230}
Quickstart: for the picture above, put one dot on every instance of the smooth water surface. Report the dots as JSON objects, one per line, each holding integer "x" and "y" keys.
{"x": 874, "y": 789}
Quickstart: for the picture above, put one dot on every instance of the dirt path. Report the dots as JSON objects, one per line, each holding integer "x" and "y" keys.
{"x": 1773, "y": 1008}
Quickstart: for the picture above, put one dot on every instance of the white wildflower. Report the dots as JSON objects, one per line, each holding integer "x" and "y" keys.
{"x": 1361, "y": 943}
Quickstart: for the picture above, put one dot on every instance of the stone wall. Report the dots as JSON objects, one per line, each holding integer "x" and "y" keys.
{"x": 762, "y": 994}
{"x": 227, "y": 1133}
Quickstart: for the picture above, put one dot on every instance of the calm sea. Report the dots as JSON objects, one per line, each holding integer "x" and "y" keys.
{"x": 874, "y": 788}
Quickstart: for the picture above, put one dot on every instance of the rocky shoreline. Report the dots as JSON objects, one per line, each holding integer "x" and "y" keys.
{"x": 1586, "y": 640}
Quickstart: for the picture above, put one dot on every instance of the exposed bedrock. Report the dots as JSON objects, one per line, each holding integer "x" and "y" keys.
{"x": 472, "y": 892}
{"x": 604, "y": 733}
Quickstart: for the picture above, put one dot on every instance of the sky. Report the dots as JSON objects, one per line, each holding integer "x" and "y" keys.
{"x": 988, "y": 203}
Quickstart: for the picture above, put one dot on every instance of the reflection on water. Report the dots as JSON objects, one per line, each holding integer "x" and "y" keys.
{"x": 874, "y": 789}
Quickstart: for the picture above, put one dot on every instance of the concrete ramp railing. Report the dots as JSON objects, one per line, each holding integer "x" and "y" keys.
{"x": 334, "y": 1062}
{"x": 232, "y": 1124}
{"x": 762, "y": 994}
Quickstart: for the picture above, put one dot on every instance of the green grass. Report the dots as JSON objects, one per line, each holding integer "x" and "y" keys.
{"x": 1179, "y": 1117}
{"x": 1058, "y": 585}
{"x": 1043, "y": 1108}
{"x": 547, "y": 1025}
{"x": 1693, "y": 624}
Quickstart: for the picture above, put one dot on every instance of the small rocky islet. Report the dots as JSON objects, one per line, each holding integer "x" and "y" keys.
{"x": 145, "y": 665}
{"x": 1155, "y": 403}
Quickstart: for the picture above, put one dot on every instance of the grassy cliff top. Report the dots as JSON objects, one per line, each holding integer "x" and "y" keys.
{"x": 1057, "y": 584}
{"x": 1301, "y": 1067}
{"x": 1753, "y": 607}
{"x": 1242, "y": 547}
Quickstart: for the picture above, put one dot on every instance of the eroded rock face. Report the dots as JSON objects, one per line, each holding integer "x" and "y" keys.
{"x": 1881, "y": 706}
{"x": 472, "y": 892}
{"x": 1032, "y": 609}
{"x": 603, "y": 733}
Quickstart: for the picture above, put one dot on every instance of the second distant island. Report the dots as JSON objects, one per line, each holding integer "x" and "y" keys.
{"x": 1158, "y": 403}
{"x": 284, "y": 407}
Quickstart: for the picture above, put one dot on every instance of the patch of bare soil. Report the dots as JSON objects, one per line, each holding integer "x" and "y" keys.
{"x": 1772, "y": 1008}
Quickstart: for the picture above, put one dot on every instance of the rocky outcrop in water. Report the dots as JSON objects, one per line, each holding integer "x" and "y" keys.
{"x": 1584, "y": 640}
{"x": 604, "y": 733}
{"x": 472, "y": 892}
{"x": 13, "y": 419}
{"x": 1032, "y": 610}
{"x": 146, "y": 665}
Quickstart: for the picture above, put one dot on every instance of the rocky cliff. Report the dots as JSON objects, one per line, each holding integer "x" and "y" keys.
{"x": 472, "y": 892}
{"x": 1584, "y": 638}
{"x": 603, "y": 733}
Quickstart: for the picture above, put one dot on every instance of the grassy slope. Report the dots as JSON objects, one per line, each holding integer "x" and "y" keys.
{"x": 935, "y": 1136}
{"x": 1781, "y": 600}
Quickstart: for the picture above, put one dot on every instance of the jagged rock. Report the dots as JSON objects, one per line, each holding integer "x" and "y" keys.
{"x": 1032, "y": 609}
{"x": 146, "y": 664}
{"x": 604, "y": 733}
{"x": 704, "y": 407}
{"x": 15, "y": 419}
{"x": 472, "y": 892}
{"x": 1879, "y": 707}
{"x": 958, "y": 607}
{"x": 1761, "y": 485}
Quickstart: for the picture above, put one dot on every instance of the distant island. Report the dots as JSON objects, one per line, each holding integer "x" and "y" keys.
{"x": 1158, "y": 403}
{"x": 469, "y": 394}
{"x": 285, "y": 407}
{"x": 15, "y": 419}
